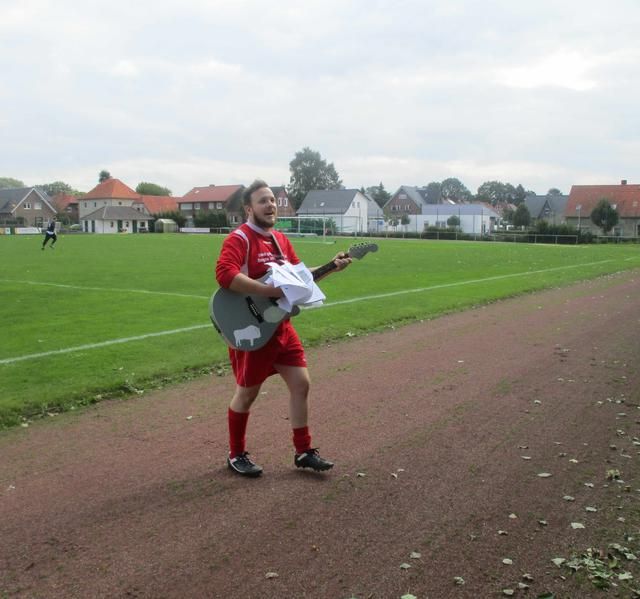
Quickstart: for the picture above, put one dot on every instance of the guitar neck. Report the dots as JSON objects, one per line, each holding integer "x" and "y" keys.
{"x": 323, "y": 270}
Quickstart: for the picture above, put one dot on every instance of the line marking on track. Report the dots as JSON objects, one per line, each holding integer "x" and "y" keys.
{"x": 327, "y": 305}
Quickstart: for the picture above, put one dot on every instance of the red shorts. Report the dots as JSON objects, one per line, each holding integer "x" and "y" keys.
{"x": 254, "y": 367}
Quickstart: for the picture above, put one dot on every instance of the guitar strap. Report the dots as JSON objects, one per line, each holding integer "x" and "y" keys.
{"x": 280, "y": 257}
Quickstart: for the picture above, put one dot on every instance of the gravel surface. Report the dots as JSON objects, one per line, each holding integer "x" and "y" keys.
{"x": 439, "y": 431}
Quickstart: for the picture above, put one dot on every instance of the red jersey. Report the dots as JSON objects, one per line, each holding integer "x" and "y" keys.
{"x": 248, "y": 249}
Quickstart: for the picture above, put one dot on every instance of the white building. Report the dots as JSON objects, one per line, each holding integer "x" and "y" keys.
{"x": 351, "y": 210}
{"x": 475, "y": 219}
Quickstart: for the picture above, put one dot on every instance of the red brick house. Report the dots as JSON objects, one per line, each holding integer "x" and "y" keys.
{"x": 406, "y": 200}
{"x": 285, "y": 207}
{"x": 25, "y": 206}
{"x": 67, "y": 206}
{"x": 624, "y": 198}
{"x": 212, "y": 198}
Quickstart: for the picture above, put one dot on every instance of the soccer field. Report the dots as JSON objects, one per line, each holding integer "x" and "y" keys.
{"x": 107, "y": 315}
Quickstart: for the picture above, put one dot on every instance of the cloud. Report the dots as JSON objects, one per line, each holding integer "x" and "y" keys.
{"x": 565, "y": 68}
{"x": 125, "y": 68}
{"x": 211, "y": 91}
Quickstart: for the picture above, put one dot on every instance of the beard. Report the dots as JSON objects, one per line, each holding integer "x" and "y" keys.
{"x": 263, "y": 223}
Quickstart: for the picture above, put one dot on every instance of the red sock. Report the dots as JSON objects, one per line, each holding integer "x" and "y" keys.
{"x": 237, "y": 432}
{"x": 302, "y": 439}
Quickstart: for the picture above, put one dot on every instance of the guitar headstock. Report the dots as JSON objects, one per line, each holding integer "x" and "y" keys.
{"x": 360, "y": 250}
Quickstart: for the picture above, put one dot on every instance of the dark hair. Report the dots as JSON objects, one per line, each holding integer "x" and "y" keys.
{"x": 246, "y": 194}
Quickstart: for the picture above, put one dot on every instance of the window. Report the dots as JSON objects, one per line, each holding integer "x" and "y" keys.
{"x": 402, "y": 196}
{"x": 112, "y": 224}
{"x": 119, "y": 203}
{"x": 212, "y": 205}
{"x": 38, "y": 206}
{"x": 196, "y": 206}
{"x": 85, "y": 204}
{"x": 285, "y": 202}
{"x": 27, "y": 205}
{"x": 219, "y": 205}
{"x": 95, "y": 204}
{"x": 279, "y": 202}
{"x": 186, "y": 206}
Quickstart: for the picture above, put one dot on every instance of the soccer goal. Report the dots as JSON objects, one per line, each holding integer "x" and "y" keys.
{"x": 320, "y": 226}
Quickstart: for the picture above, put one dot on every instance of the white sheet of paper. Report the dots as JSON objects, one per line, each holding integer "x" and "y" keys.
{"x": 296, "y": 282}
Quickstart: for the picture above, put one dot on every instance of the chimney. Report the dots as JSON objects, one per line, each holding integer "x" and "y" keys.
{"x": 623, "y": 182}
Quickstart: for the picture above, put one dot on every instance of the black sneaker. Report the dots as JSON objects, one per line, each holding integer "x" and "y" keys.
{"x": 312, "y": 459}
{"x": 243, "y": 465}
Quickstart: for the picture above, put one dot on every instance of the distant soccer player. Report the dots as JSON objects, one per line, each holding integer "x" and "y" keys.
{"x": 50, "y": 233}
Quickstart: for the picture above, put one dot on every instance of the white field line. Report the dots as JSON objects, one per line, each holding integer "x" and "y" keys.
{"x": 107, "y": 289}
{"x": 101, "y": 344}
{"x": 338, "y": 303}
{"x": 459, "y": 283}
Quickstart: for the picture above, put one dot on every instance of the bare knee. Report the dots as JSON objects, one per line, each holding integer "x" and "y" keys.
{"x": 243, "y": 398}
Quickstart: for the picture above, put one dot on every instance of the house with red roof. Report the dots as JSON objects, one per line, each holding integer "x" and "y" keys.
{"x": 156, "y": 204}
{"x": 212, "y": 198}
{"x": 113, "y": 207}
{"x": 67, "y": 205}
{"x": 625, "y": 198}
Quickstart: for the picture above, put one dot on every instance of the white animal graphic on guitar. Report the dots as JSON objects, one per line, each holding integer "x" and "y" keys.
{"x": 249, "y": 333}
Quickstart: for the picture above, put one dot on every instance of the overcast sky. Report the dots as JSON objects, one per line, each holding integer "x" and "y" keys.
{"x": 185, "y": 93}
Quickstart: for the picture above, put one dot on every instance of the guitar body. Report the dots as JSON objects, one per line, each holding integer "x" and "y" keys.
{"x": 247, "y": 322}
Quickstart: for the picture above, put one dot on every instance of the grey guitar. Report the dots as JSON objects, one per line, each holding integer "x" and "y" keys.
{"x": 247, "y": 322}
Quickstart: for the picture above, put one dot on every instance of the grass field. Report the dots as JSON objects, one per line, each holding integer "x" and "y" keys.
{"x": 108, "y": 315}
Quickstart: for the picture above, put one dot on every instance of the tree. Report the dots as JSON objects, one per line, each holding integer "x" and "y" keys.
{"x": 103, "y": 176}
{"x": 434, "y": 193}
{"x": 520, "y": 195}
{"x": 604, "y": 215}
{"x": 453, "y": 221}
{"x": 10, "y": 183}
{"x": 454, "y": 189}
{"x": 507, "y": 214}
{"x": 405, "y": 220}
{"x": 521, "y": 216}
{"x": 151, "y": 189}
{"x": 554, "y": 192}
{"x": 310, "y": 171}
{"x": 496, "y": 192}
{"x": 52, "y": 189}
{"x": 380, "y": 195}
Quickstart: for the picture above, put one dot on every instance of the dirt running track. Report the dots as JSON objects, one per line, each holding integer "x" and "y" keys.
{"x": 428, "y": 425}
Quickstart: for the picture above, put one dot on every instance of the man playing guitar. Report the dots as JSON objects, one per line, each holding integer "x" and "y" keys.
{"x": 243, "y": 259}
